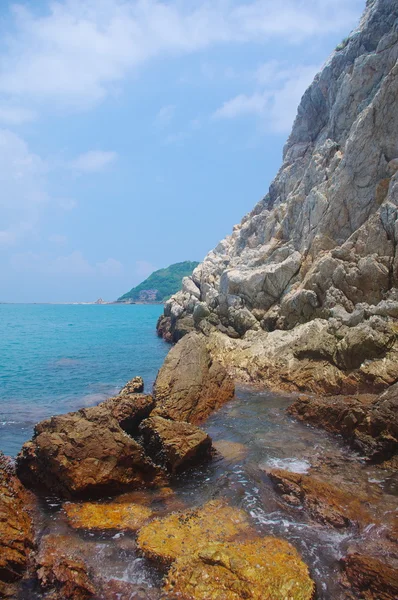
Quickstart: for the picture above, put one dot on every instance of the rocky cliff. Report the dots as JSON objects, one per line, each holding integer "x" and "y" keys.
{"x": 304, "y": 293}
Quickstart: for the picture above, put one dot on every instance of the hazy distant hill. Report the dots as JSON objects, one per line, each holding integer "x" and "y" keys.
{"x": 162, "y": 284}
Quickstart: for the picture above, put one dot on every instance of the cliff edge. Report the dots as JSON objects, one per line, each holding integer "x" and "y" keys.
{"x": 303, "y": 295}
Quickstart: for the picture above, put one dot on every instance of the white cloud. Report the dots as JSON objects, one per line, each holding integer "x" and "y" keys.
{"x": 15, "y": 116}
{"x": 56, "y": 238}
{"x": 66, "y": 203}
{"x": 276, "y": 100}
{"x": 93, "y": 161}
{"x": 23, "y": 187}
{"x": 110, "y": 268}
{"x": 73, "y": 264}
{"x": 79, "y": 51}
{"x": 164, "y": 116}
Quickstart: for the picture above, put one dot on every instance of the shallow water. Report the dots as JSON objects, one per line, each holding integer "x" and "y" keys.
{"x": 58, "y": 358}
{"x": 262, "y": 436}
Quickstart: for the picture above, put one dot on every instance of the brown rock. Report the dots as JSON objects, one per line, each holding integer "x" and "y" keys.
{"x": 324, "y": 502}
{"x": 62, "y": 575}
{"x": 257, "y": 569}
{"x": 134, "y": 386}
{"x": 370, "y": 578}
{"x": 16, "y": 528}
{"x": 190, "y": 385}
{"x": 110, "y": 516}
{"x": 370, "y": 424}
{"x": 175, "y": 444}
{"x": 88, "y": 452}
{"x": 128, "y": 410}
{"x": 164, "y": 540}
{"x": 164, "y": 328}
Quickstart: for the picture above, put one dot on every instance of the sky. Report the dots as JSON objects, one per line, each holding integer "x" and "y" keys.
{"x": 136, "y": 133}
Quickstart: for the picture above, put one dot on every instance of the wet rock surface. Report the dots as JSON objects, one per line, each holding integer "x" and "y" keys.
{"x": 16, "y": 527}
{"x": 324, "y": 502}
{"x": 62, "y": 575}
{"x": 258, "y": 569}
{"x": 370, "y": 578}
{"x": 190, "y": 385}
{"x": 175, "y": 444}
{"x": 369, "y": 424}
{"x": 182, "y": 533}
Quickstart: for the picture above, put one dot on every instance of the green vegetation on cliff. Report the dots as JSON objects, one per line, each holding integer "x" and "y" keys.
{"x": 162, "y": 284}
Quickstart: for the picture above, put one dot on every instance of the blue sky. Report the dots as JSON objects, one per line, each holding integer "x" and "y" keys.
{"x": 136, "y": 133}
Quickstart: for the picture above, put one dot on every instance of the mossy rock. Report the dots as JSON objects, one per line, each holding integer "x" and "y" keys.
{"x": 260, "y": 569}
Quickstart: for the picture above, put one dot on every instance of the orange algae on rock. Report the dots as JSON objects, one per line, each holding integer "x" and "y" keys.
{"x": 182, "y": 533}
{"x": 260, "y": 569}
{"x": 97, "y": 516}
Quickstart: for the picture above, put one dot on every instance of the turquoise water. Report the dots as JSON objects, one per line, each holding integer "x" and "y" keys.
{"x": 58, "y": 358}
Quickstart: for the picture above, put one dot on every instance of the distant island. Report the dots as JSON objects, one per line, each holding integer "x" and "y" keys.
{"x": 159, "y": 286}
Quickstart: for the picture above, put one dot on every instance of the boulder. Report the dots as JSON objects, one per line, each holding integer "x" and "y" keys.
{"x": 165, "y": 539}
{"x": 323, "y": 502}
{"x": 88, "y": 452}
{"x": 16, "y": 527}
{"x": 95, "y": 516}
{"x": 175, "y": 445}
{"x": 190, "y": 385}
{"x": 257, "y": 569}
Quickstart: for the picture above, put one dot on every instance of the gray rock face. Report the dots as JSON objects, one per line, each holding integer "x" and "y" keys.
{"x": 322, "y": 244}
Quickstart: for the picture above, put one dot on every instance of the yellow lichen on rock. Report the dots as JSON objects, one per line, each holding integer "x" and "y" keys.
{"x": 184, "y": 533}
{"x": 97, "y": 516}
{"x": 260, "y": 569}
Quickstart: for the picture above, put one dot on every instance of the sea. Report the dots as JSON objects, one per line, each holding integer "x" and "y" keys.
{"x": 59, "y": 358}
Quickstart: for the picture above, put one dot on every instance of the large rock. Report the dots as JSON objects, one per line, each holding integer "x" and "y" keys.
{"x": 88, "y": 452}
{"x": 321, "y": 247}
{"x": 16, "y": 527}
{"x": 182, "y": 533}
{"x": 175, "y": 444}
{"x": 369, "y": 424}
{"x": 190, "y": 385}
{"x": 257, "y": 569}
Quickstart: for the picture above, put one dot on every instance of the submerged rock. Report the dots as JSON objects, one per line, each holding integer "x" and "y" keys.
{"x": 175, "y": 444}
{"x": 257, "y": 569}
{"x": 95, "y": 516}
{"x": 16, "y": 527}
{"x": 163, "y": 540}
{"x": 370, "y": 578}
{"x": 324, "y": 502}
{"x": 190, "y": 385}
{"x": 88, "y": 452}
{"x": 369, "y": 424}
{"x": 62, "y": 575}
{"x": 116, "y": 589}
